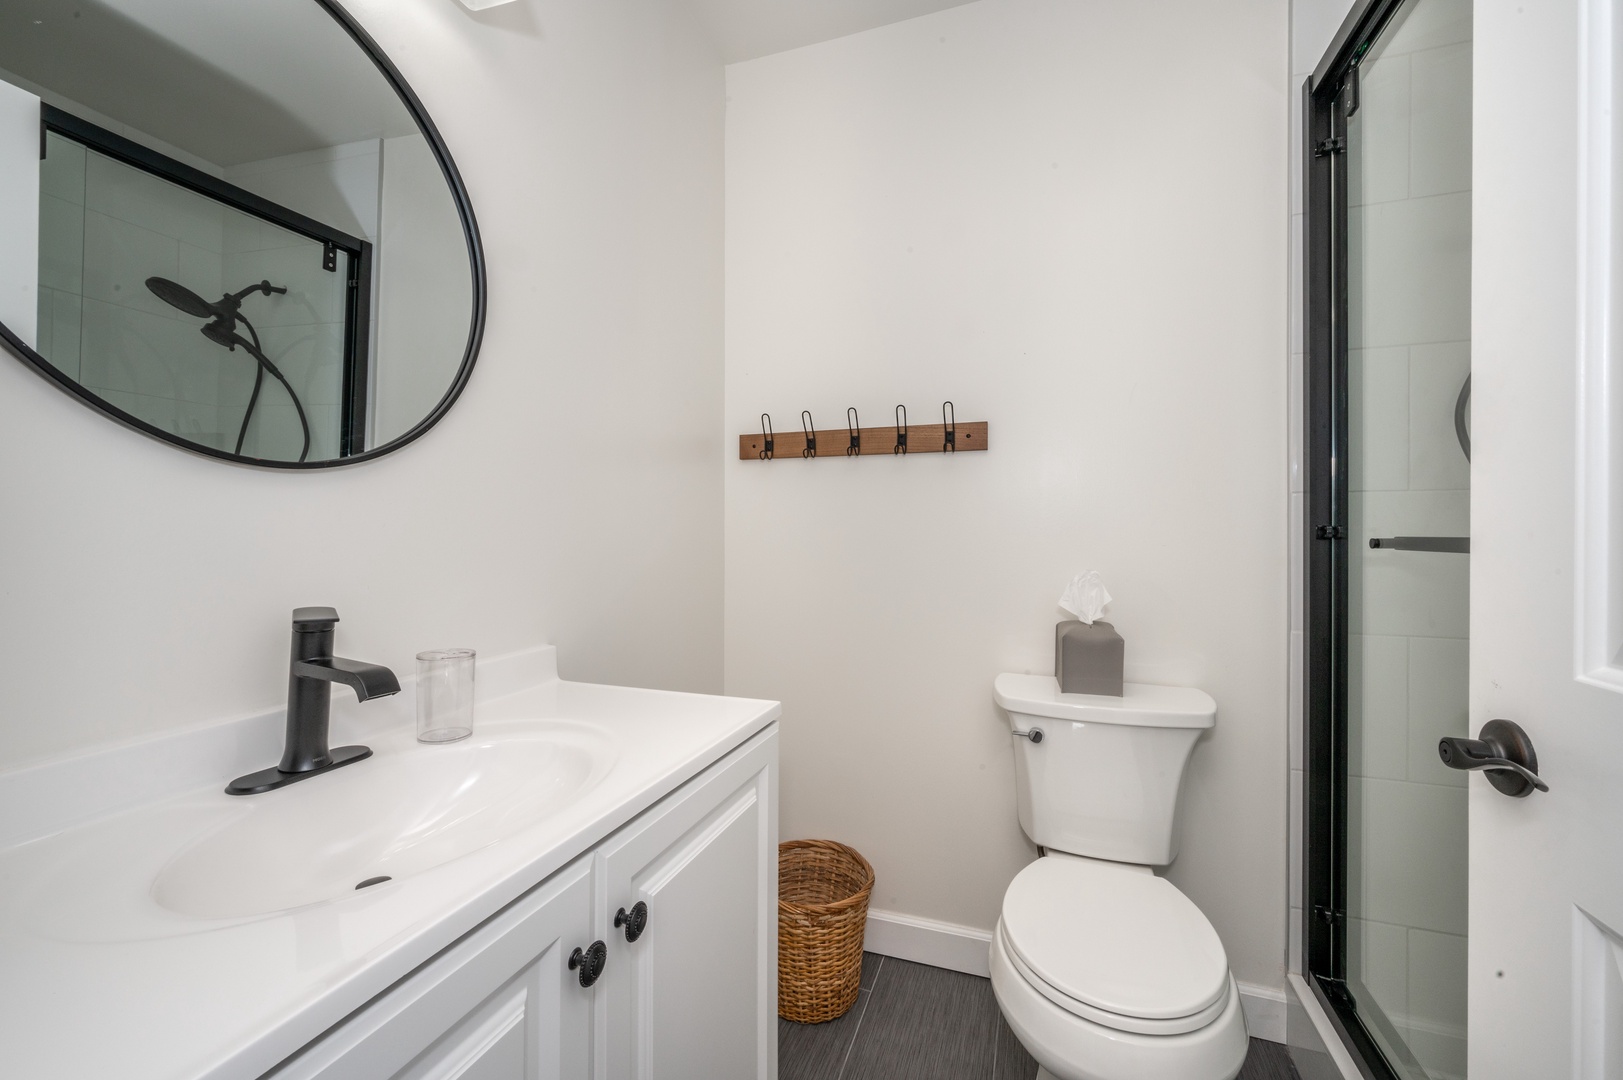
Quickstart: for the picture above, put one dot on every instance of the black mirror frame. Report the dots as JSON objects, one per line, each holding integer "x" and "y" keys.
{"x": 476, "y": 266}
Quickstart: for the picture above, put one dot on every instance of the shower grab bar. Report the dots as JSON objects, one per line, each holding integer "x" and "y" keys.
{"x": 1457, "y": 545}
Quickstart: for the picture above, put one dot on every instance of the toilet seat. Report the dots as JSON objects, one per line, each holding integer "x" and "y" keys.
{"x": 1177, "y": 1025}
{"x": 1072, "y": 1047}
{"x": 1114, "y": 945}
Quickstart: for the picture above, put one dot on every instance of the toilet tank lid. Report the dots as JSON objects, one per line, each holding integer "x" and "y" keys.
{"x": 1141, "y": 704}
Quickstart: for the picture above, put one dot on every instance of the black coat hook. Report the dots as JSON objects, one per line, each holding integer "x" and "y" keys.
{"x": 810, "y": 429}
{"x": 949, "y": 420}
{"x": 901, "y": 430}
{"x": 854, "y": 427}
{"x": 766, "y": 436}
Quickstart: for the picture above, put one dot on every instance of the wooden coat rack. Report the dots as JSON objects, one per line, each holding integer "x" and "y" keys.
{"x": 849, "y": 441}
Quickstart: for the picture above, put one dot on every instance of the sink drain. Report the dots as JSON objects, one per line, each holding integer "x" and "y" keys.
{"x": 379, "y": 880}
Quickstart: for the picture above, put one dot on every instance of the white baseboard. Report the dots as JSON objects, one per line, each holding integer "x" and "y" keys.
{"x": 926, "y": 941}
{"x": 1264, "y": 1011}
{"x": 964, "y": 948}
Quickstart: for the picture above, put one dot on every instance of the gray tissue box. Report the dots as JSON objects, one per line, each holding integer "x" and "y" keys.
{"x": 1088, "y": 659}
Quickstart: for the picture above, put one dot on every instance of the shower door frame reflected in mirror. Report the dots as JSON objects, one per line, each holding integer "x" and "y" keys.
{"x": 352, "y": 447}
{"x": 356, "y": 264}
{"x": 1333, "y": 836}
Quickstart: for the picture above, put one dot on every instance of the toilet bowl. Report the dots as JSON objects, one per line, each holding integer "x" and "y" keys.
{"x": 1106, "y": 972}
{"x": 1103, "y": 970}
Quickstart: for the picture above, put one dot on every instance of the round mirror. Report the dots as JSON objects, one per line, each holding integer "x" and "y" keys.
{"x": 231, "y": 226}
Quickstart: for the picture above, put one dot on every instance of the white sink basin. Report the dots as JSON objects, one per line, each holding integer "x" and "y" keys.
{"x": 393, "y": 815}
{"x": 211, "y": 935}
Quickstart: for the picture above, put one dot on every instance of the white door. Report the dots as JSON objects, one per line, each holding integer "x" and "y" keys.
{"x": 695, "y": 994}
{"x": 1546, "y": 871}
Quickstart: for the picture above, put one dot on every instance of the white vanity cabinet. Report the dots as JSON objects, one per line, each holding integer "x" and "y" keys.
{"x": 499, "y": 1005}
{"x": 694, "y": 996}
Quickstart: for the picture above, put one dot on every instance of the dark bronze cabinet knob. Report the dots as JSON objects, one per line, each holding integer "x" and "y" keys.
{"x": 635, "y": 921}
{"x": 590, "y": 961}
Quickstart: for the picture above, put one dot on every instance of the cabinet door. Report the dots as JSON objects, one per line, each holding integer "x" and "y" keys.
{"x": 695, "y": 996}
{"x": 502, "y": 1004}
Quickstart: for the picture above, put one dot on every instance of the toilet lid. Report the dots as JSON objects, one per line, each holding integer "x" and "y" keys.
{"x": 1115, "y": 938}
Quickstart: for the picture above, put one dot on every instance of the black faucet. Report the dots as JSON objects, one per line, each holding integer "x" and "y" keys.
{"x": 311, "y": 673}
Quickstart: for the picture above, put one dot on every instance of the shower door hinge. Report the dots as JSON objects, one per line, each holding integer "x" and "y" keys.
{"x": 1325, "y": 915}
{"x": 329, "y": 256}
{"x": 1334, "y": 145}
{"x": 1330, "y": 532}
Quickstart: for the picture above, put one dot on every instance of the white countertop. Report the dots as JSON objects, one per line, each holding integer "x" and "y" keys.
{"x": 98, "y": 980}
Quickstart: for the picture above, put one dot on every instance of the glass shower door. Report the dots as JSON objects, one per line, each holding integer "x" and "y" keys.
{"x": 1408, "y": 294}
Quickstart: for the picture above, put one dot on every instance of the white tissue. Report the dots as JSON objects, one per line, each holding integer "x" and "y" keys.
{"x": 1085, "y": 597}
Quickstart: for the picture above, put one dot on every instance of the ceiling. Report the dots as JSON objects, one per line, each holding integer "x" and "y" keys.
{"x": 228, "y": 81}
{"x": 233, "y": 82}
{"x": 746, "y": 29}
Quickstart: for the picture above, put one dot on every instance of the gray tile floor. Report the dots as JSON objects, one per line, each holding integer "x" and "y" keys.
{"x": 913, "y": 1022}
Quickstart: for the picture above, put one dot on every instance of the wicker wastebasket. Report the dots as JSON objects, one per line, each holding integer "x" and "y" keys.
{"x": 823, "y": 890}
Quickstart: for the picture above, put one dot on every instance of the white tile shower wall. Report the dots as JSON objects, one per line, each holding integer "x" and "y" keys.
{"x": 1410, "y": 353}
{"x": 341, "y": 187}
{"x": 19, "y": 225}
{"x": 158, "y": 584}
{"x": 302, "y": 331}
{"x": 975, "y": 205}
{"x": 390, "y": 192}
{"x": 107, "y": 227}
{"x": 60, "y": 235}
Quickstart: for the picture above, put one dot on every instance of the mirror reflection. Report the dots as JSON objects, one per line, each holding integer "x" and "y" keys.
{"x": 246, "y": 244}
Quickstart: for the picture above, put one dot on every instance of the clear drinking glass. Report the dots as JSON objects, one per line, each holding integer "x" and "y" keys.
{"x": 444, "y": 695}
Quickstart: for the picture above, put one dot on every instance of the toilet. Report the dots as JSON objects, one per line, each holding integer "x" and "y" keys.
{"x": 1103, "y": 970}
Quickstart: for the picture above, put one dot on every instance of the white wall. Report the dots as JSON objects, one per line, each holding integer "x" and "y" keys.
{"x": 146, "y": 589}
{"x": 337, "y": 185}
{"x": 1071, "y": 220}
{"x": 19, "y": 225}
{"x": 420, "y": 268}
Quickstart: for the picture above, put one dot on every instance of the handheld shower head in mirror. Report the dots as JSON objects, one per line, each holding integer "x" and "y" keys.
{"x": 181, "y": 298}
{"x": 222, "y": 330}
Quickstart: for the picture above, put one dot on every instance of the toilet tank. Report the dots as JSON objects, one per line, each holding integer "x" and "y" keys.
{"x": 1105, "y": 778}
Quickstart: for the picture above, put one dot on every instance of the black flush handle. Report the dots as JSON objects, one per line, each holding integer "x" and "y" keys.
{"x": 635, "y": 921}
{"x": 590, "y": 961}
{"x": 1503, "y": 752}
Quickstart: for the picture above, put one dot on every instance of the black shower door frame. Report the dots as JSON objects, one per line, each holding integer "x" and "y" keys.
{"x": 358, "y": 288}
{"x": 1329, "y": 97}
